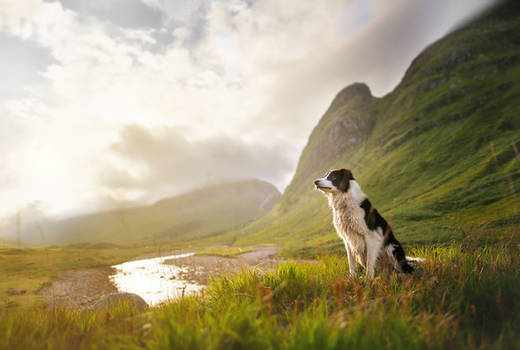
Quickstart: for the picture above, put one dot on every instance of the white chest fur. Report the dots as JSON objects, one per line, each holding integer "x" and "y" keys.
{"x": 349, "y": 223}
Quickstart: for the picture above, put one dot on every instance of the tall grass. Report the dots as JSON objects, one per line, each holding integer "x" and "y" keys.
{"x": 462, "y": 296}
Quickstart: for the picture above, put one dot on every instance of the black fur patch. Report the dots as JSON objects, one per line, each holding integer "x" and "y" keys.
{"x": 399, "y": 255}
{"x": 341, "y": 179}
{"x": 372, "y": 217}
{"x": 374, "y": 221}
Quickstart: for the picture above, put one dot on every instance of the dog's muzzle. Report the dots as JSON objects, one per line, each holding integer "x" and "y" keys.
{"x": 320, "y": 186}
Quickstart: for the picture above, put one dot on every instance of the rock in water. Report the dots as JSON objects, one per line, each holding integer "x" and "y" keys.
{"x": 109, "y": 300}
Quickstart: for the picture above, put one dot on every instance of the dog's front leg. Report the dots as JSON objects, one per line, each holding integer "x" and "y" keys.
{"x": 351, "y": 260}
{"x": 373, "y": 245}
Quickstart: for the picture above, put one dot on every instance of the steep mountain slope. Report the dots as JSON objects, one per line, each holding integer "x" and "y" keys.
{"x": 194, "y": 215}
{"x": 422, "y": 153}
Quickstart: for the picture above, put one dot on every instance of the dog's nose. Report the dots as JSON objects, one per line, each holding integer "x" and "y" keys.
{"x": 316, "y": 182}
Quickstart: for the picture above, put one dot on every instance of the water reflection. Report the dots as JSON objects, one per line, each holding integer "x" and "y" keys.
{"x": 153, "y": 280}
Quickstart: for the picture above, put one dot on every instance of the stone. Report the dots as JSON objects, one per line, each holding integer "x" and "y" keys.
{"x": 112, "y": 299}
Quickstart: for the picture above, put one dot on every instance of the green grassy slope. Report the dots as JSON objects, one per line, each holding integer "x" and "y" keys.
{"x": 194, "y": 215}
{"x": 421, "y": 153}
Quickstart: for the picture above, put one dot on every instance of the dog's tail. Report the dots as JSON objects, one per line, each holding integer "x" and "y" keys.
{"x": 414, "y": 260}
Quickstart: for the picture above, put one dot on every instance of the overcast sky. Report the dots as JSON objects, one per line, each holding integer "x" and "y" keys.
{"x": 106, "y": 103}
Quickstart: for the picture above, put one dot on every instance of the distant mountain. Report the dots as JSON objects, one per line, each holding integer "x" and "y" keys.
{"x": 201, "y": 213}
{"x": 436, "y": 155}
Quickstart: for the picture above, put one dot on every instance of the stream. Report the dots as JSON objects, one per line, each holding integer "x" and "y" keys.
{"x": 153, "y": 280}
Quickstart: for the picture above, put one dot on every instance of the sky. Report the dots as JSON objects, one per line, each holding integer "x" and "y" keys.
{"x": 112, "y": 103}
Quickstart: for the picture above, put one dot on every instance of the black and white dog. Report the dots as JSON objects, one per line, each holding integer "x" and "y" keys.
{"x": 367, "y": 236}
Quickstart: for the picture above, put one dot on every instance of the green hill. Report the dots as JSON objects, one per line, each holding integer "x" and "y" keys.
{"x": 194, "y": 215}
{"x": 422, "y": 153}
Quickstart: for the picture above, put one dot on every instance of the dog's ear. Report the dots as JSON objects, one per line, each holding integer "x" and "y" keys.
{"x": 346, "y": 176}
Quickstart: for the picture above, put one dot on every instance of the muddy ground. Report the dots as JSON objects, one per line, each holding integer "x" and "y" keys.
{"x": 83, "y": 288}
{"x": 80, "y": 289}
{"x": 201, "y": 268}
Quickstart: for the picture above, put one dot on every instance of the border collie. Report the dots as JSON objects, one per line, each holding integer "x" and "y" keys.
{"x": 367, "y": 236}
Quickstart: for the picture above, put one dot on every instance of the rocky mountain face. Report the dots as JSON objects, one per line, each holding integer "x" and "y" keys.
{"x": 348, "y": 121}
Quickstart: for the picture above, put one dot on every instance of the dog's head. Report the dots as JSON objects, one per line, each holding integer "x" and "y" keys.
{"x": 335, "y": 181}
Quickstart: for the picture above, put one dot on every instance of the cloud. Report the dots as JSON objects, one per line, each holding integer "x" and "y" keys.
{"x": 302, "y": 76}
{"x": 154, "y": 162}
{"x": 22, "y": 63}
{"x": 7, "y": 178}
{"x": 131, "y": 101}
{"x": 124, "y": 13}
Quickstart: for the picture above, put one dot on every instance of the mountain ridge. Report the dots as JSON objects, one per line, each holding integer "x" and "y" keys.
{"x": 198, "y": 213}
{"x": 435, "y": 155}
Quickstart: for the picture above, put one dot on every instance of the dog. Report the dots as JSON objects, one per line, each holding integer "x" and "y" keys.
{"x": 367, "y": 236}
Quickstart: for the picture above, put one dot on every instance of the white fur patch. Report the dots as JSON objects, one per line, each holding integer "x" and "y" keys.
{"x": 412, "y": 259}
{"x": 390, "y": 250}
{"x": 355, "y": 191}
{"x": 390, "y": 253}
{"x": 326, "y": 184}
{"x": 374, "y": 243}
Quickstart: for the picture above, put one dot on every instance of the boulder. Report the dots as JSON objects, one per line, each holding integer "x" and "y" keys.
{"x": 109, "y": 300}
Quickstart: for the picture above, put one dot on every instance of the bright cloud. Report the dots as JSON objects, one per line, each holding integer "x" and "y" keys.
{"x": 133, "y": 97}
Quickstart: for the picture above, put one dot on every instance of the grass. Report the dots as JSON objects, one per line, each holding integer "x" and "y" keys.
{"x": 463, "y": 296}
{"x": 226, "y": 252}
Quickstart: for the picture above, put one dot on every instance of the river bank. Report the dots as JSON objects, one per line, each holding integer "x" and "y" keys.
{"x": 83, "y": 288}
